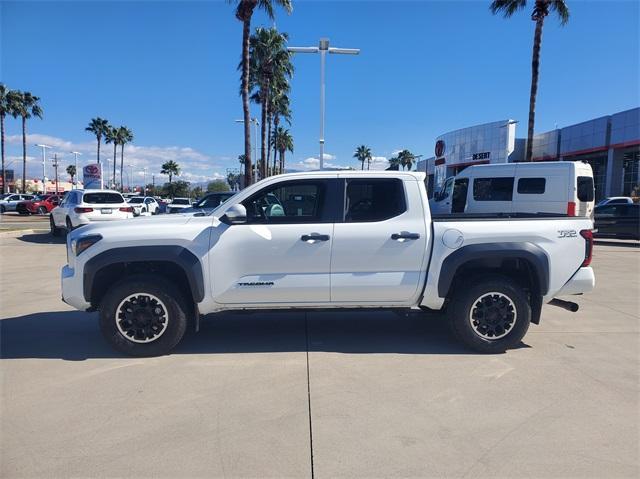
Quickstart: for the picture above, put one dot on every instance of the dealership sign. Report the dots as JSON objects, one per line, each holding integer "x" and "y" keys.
{"x": 481, "y": 156}
{"x": 92, "y": 176}
{"x": 440, "y": 146}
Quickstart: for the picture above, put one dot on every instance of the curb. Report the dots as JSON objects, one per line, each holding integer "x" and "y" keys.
{"x": 16, "y": 233}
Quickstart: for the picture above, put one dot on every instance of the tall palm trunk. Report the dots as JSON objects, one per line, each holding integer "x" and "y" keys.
{"x": 281, "y": 161}
{"x": 535, "y": 71}
{"x": 246, "y": 32}
{"x": 276, "y": 121}
{"x": 121, "y": 166}
{"x": 98, "y": 138}
{"x": 115, "y": 149}
{"x": 24, "y": 153}
{"x": 269, "y": 170}
{"x": 4, "y": 175}
{"x": 263, "y": 131}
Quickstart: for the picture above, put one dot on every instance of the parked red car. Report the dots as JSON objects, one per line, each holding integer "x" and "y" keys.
{"x": 41, "y": 205}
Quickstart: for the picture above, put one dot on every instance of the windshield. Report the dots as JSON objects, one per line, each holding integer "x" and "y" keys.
{"x": 103, "y": 198}
{"x": 136, "y": 200}
{"x": 180, "y": 201}
{"x": 213, "y": 201}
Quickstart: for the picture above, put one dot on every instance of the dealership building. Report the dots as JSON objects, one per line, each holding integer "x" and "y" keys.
{"x": 610, "y": 144}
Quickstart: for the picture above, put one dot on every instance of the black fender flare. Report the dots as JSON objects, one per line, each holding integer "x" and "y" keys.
{"x": 527, "y": 251}
{"x": 178, "y": 255}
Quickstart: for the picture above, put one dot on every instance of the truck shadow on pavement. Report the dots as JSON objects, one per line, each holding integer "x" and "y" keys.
{"x": 75, "y": 336}
{"x": 43, "y": 238}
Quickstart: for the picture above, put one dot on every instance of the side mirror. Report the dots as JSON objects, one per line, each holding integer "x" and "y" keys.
{"x": 235, "y": 215}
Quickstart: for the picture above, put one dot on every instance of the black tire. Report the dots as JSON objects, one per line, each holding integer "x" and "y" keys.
{"x": 508, "y": 310}
{"x": 42, "y": 210}
{"x": 2, "y": 209}
{"x": 140, "y": 290}
{"x": 55, "y": 231}
{"x": 69, "y": 225}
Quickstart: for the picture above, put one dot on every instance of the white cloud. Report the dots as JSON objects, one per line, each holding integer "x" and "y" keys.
{"x": 196, "y": 166}
{"x": 313, "y": 163}
{"x": 379, "y": 163}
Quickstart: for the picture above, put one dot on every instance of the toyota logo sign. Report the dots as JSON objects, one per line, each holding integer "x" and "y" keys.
{"x": 439, "y": 148}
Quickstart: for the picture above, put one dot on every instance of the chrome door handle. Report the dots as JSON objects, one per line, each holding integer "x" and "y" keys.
{"x": 409, "y": 236}
{"x": 314, "y": 237}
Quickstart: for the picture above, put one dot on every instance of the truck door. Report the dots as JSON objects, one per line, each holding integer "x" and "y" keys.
{"x": 282, "y": 254}
{"x": 379, "y": 247}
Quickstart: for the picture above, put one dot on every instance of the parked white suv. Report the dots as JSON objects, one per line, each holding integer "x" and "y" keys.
{"x": 81, "y": 207}
{"x": 144, "y": 204}
{"x": 178, "y": 204}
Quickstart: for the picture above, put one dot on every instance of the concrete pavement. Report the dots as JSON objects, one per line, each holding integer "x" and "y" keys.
{"x": 384, "y": 396}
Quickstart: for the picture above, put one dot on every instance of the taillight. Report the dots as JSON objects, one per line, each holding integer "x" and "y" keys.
{"x": 127, "y": 209}
{"x": 588, "y": 251}
{"x": 80, "y": 209}
{"x": 571, "y": 208}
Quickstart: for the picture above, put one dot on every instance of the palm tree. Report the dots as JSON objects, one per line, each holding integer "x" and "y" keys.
{"x": 362, "y": 154}
{"x": 112, "y": 136}
{"x": 8, "y": 106}
{"x": 170, "y": 168}
{"x": 406, "y": 159}
{"x": 26, "y": 106}
{"x": 394, "y": 163}
{"x": 269, "y": 69}
{"x": 71, "y": 171}
{"x": 244, "y": 12}
{"x": 283, "y": 142}
{"x": 541, "y": 9}
{"x": 99, "y": 127}
{"x": 279, "y": 109}
{"x": 125, "y": 135}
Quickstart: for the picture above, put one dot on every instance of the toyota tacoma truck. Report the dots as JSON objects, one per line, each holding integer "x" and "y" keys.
{"x": 323, "y": 240}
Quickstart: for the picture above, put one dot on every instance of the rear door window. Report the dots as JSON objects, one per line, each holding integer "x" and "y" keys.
{"x": 375, "y": 199}
{"x": 459, "y": 200}
{"x": 103, "y": 198}
{"x": 531, "y": 186}
{"x": 586, "y": 191}
{"x": 493, "y": 189}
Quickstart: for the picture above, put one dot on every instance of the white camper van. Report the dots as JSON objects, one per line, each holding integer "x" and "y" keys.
{"x": 553, "y": 187}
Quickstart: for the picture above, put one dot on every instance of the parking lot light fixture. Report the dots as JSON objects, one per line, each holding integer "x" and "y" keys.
{"x": 76, "y": 153}
{"x": 44, "y": 167}
{"x": 323, "y": 48}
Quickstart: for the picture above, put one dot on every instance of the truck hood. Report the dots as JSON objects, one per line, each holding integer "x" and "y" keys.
{"x": 138, "y": 224}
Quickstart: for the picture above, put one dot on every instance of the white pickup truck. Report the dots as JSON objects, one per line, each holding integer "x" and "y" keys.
{"x": 326, "y": 240}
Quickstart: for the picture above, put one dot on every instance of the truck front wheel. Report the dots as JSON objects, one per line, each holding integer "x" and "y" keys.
{"x": 491, "y": 314}
{"x": 143, "y": 316}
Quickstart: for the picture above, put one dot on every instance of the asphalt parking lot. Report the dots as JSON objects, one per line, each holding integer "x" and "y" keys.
{"x": 328, "y": 395}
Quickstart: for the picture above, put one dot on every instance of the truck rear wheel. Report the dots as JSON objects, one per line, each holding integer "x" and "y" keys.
{"x": 491, "y": 314}
{"x": 143, "y": 316}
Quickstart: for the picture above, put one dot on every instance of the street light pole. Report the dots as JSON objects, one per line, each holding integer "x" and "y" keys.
{"x": 44, "y": 167}
{"x": 323, "y": 48}
{"x": 76, "y": 153}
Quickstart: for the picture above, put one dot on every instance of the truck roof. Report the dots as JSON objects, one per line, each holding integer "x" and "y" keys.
{"x": 417, "y": 175}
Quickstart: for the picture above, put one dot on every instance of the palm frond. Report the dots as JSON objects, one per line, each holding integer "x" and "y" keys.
{"x": 506, "y": 7}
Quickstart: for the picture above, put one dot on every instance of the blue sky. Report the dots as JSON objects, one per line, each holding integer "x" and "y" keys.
{"x": 168, "y": 71}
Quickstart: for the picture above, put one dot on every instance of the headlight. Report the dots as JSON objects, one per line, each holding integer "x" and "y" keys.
{"x": 83, "y": 243}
